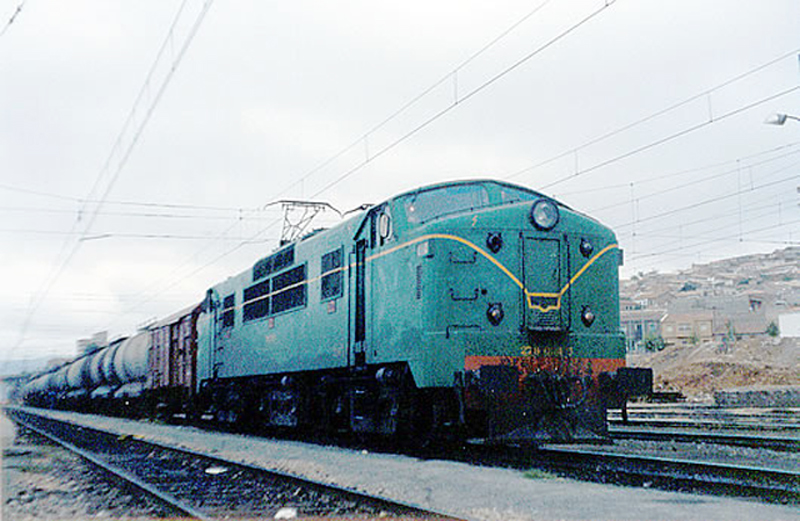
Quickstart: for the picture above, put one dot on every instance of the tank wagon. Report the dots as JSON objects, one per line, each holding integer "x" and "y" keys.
{"x": 472, "y": 308}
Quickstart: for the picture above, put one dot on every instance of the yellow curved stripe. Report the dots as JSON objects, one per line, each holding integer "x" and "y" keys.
{"x": 505, "y": 270}
{"x": 557, "y": 305}
{"x": 456, "y": 238}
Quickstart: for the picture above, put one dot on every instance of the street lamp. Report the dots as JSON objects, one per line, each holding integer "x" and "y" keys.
{"x": 779, "y": 119}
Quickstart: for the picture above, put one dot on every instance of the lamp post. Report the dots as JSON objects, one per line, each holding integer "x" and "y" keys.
{"x": 779, "y": 119}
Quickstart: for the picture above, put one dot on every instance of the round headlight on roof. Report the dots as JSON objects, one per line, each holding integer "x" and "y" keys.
{"x": 544, "y": 214}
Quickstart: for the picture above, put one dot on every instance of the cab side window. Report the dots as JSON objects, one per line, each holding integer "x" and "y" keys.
{"x": 332, "y": 274}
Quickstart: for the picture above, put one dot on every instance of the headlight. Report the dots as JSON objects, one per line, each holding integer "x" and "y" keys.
{"x": 587, "y": 316}
{"x": 586, "y": 248}
{"x": 495, "y": 313}
{"x": 544, "y": 214}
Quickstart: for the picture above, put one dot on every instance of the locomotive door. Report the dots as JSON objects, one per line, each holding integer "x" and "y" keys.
{"x": 547, "y": 306}
{"x": 358, "y": 296}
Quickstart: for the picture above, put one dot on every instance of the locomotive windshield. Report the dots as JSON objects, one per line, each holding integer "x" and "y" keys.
{"x": 510, "y": 195}
{"x": 443, "y": 200}
{"x": 424, "y": 206}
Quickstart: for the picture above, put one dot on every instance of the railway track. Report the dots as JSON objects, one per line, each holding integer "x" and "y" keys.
{"x": 709, "y": 417}
{"x": 672, "y": 473}
{"x": 738, "y": 452}
{"x": 201, "y": 487}
{"x": 652, "y": 465}
{"x": 763, "y": 428}
{"x": 785, "y": 443}
{"x": 700, "y": 433}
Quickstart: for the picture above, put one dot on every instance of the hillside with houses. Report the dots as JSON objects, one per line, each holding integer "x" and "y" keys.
{"x": 729, "y": 323}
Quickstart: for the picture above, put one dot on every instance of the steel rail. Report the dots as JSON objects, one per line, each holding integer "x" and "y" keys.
{"x": 764, "y": 417}
{"x": 770, "y": 483}
{"x": 779, "y": 443}
{"x": 122, "y": 474}
{"x": 706, "y": 423}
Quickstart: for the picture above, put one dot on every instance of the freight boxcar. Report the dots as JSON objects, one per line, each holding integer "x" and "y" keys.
{"x": 172, "y": 361}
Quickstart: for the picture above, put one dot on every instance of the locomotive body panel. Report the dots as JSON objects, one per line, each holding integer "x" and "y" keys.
{"x": 300, "y": 331}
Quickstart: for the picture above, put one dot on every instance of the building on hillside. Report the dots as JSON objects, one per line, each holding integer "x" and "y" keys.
{"x": 789, "y": 324}
{"x": 639, "y": 325}
{"x": 732, "y": 315}
{"x": 685, "y": 329}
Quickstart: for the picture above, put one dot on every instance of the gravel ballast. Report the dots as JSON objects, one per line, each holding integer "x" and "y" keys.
{"x": 45, "y": 482}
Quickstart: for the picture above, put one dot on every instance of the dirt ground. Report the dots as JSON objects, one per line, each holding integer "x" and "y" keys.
{"x": 698, "y": 371}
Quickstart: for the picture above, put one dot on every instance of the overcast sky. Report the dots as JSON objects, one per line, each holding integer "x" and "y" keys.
{"x": 645, "y": 114}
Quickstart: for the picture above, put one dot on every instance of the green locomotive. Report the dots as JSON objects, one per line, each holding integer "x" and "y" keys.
{"x": 473, "y": 308}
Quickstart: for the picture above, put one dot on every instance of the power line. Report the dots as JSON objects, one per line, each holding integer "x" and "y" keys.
{"x": 714, "y": 240}
{"x": 707, "y": 201}
{"x": 689, "y": 170}
{"x": 241, "y": 214}
{"x": 13, "y": 17}
{"x": 147, "y": 204}
{"x": 675, "y": 187}
{"x": 652, "y": 116}
{"x": 468, "y": 96}
{"x": 672, "y": 137}
{"x": 69, "y": 253}
{"x": 683, "y": 240}
{"x": 769, "y": 204}
{"x": 118, "y": 235}
{"x": 413, "y": 101}
{"x": 167, "y": 283}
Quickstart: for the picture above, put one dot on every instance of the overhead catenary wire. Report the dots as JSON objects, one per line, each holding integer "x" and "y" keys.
{"x": 692, "y": 170}
{"x": 111, "y": 202}
{"x": 671, "y": 137}
{"x": 655, "y": 115}
{"x": 413, "y": 101}
{"x": 239, "y": 214}
{"x": 685, "y": 241}
{"x": 706, "y": 202}
{"x": 119, "y": 235}
{"x": 680, "y": 237}
{"x": 769, "y": 203}
{"x": 68, "y": 252}
{"x": 714, "y": 240}
{"x": 13, "y": 17}
{"x": 695, "y": 181}
{"x": 491, "y": 81}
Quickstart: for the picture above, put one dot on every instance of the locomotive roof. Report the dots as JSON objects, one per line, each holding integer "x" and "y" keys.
{"x": 465, "y": 182}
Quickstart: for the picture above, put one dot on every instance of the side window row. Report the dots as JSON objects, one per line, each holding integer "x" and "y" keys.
{"x": 286, "y": 291}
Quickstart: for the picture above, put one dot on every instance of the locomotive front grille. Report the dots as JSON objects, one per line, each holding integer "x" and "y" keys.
{"x": 542, "y": 275}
